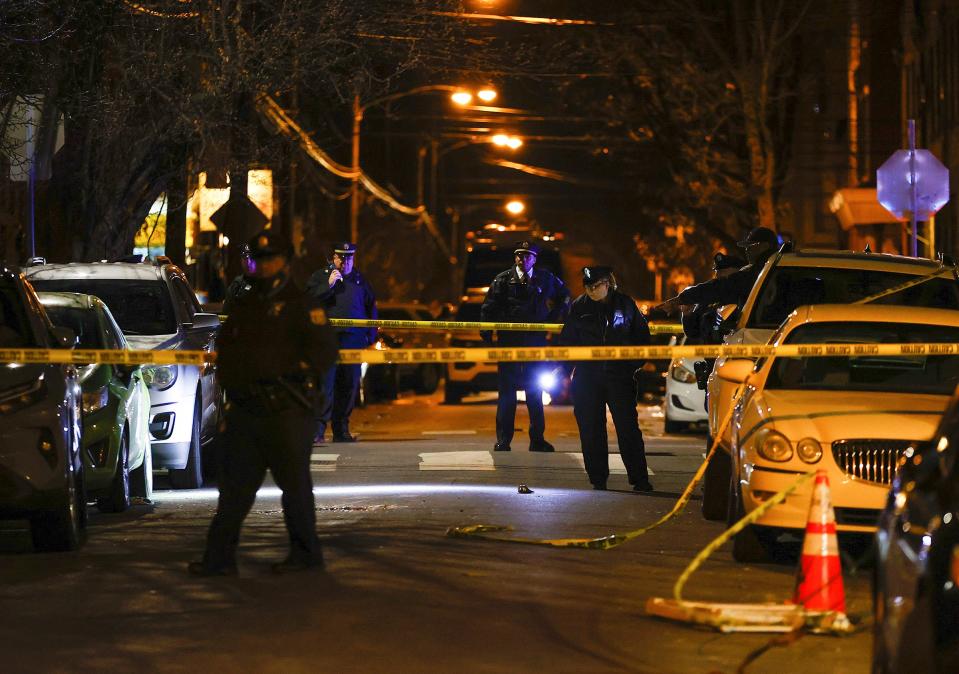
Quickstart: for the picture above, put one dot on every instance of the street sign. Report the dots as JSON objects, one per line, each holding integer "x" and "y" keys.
{"x": 894, "y": 182}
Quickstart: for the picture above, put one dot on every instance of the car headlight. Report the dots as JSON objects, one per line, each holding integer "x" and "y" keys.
{"x": 682, "y": 374}
{"x": 95, "y": 400}
{"x": 160, "y": 377}
{"x": 809, "y": 450}
{"x": 773, "y": 446}
{"x": 547, "y": 381}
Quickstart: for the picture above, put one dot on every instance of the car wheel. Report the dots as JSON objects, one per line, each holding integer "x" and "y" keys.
{"x": 671, "y": 426}
{"x": 191, "y": 477}
{"x": 716, "y": 486}
{"x": 62, "y": 529}
{"x": 753, "y": 544}
{"x": 141, "y": 479}
{"x": 428, "y": 379}
{"x": 118, "y": 498}
{"x": 452, "y": 394}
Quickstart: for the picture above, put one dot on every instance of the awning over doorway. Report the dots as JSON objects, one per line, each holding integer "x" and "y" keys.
{"x": 859, "y": 206}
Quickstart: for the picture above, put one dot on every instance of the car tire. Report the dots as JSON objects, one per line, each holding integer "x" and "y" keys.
{"x": 671, "y": 426}
{"x": 118, "y": 497}
{"x": 141, "y": 479}
{"x": 452, "y": 394}
{"x": 64, "y": 528}
{"x": 428, "y": 379}
{"x": 191, "y": 476}
{"x": 716, "y": 483}
{"x": 753, "y": 544}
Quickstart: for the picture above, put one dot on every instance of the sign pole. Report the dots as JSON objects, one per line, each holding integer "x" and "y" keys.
{"x": 915, "y": 186}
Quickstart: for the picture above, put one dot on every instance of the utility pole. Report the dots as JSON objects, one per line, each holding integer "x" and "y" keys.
{"x": 355, "y": 191}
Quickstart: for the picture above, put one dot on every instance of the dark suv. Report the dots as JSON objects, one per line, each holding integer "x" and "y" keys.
{"x": 41, "y": 470}
{"x": 156, "y": 309}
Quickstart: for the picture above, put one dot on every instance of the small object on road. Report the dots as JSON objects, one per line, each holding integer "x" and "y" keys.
{"x": 140, "y": 500}
{"x": 523, "y": 489}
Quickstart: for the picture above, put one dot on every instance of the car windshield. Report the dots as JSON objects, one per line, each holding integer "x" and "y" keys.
{"x": 902, "y": 374}
{"x": 482, "y": 265}
{"x": 139, "y": 307}
{"x": 83, "y": 322}
{"x": 787, "y": 288}
{"x": 14, "y": 328}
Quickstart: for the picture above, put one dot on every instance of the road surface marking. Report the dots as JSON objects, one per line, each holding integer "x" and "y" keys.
{"x": 616, "y": 466}
{"x": 323, "y": 463}
{"x": 477, "y": 460}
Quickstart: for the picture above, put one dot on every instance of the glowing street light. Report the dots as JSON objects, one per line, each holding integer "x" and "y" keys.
{"x": 487, "y": 95}
{"x": 505, "y": 140}
{"x": 515, "y": 207}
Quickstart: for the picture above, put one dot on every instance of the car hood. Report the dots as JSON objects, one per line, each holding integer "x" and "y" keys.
{"x": 841, "y": 415}
{"x": 149, "y": 342}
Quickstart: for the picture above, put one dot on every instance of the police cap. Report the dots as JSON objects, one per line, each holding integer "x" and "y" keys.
{"x": 761, "y": 235}
{"x": 526, "y": 247}
{"x": 344, "y": 248}
{"x": 268, "y": 242}
{"x": 596, "y": 273}
{"x": 723, "y": 261}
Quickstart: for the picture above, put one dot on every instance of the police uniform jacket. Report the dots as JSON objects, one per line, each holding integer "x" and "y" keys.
{"x": 540, "y": 297}
{"x": 614, "y": 322}
{"x": 276, "y": 343}
{"x": 350, "y": 298}
{"x": 732, "y": 289}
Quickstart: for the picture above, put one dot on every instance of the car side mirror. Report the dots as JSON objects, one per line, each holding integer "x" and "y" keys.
{"x": 204, "y": 321}
{"x": 735, "y": 370}
{"x": 66, "y": 338}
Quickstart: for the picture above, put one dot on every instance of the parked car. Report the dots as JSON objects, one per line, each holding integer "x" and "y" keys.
{"x": 851, "y": 416}
{"x": 41, "y": 470}
{"x": 386, "y": 381}
{"x": 156, "y": 309}
{"x": 117, "y": 461}
{"x": 794, "y": 278}
{"x": 684, "y": 403}
{"x": 916, "y": 579}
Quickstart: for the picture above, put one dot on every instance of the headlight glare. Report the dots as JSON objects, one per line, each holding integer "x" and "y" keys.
{"x": 682, "y": 374}
{"x": 160, "y": 377}
{"x": 547, "y": 381}
{"x": 809, "y": 450}
{"x": 95, "y": 400}
{"x": 773, "y": 446}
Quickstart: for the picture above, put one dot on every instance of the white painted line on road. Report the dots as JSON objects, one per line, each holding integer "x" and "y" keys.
{"x": 449, "y": 432}
{"x": 323, "y": 463}
{"x": 616, "y": 466}
{"x": 478, "y": 460}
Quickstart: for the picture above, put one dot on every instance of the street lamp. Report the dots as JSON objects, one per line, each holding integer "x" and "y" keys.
{"x": 460, "y": 96}
{"x": 515, "y": 207}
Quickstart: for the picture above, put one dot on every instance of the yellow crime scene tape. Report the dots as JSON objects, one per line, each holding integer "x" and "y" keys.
{"x": 495, "y": 354}
{"x": 655, "y": 328}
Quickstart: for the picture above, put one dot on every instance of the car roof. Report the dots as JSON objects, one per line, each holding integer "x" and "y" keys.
{"x": 72, "y": 300}
{"x": 870, "y": 313}
{"x": 120, "y": 271}
{"x": 858, "y": 260}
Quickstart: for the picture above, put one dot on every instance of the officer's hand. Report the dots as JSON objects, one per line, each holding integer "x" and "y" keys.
{"x": 669, "y": 306}
{"x": 335, "y": 276}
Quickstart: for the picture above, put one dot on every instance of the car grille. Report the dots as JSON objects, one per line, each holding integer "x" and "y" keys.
{"x": 870, "y": 460}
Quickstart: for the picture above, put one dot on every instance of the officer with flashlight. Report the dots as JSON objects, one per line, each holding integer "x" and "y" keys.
{"x": 603, "y": 316}
{"x": 522, "y": 294}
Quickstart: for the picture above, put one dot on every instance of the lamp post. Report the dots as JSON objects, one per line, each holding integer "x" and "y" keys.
{"x": 460, "y": 96}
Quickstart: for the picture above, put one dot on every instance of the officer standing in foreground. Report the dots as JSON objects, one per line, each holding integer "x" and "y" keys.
{"x": 760, "y": 245}
{"x": 522, "y": 294}
{"x": 273, "y": 348}
{"x": 345, "y": 293}
{"x": 603, "y": 316}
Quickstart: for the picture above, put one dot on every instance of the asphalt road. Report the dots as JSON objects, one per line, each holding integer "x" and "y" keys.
{"x": 397, "y": 595}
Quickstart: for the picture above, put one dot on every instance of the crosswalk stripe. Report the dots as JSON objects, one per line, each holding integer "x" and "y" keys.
{"x": 616, "y": 466}
{"x": 323, "y": 463}
{"x": 476, "y": 460}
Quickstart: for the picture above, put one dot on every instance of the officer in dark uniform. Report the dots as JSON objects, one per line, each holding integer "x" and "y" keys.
{"x": 243, "y": 283}
{"x": 700, "y": 322}
{"x": 344, "y": 293}
{"x": 271, "y": 350}
{"x": 603, "y": 316}
{"x": 522, "y": 294}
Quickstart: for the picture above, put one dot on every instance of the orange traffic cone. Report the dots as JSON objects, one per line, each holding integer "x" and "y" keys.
{"x": 819, "y": 585}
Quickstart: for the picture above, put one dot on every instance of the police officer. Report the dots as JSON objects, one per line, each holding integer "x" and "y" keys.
{"x": 271, "y": 350}
{"x": 522, "y": 294}
{"x": 603, "y": 316}
{"x": 759, "y": 245}
{"x": 243, "y": 283}
{"x": 345, "y": 293}
{"x": 700, "y": 322}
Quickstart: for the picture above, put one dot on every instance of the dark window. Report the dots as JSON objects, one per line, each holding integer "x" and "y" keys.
{"x": 185, "y": 298}
{"x": 787, "y": 288}
{"x": 83, "y": 322}
{"x": 901, "y": 374}
{"x": 14, "y": 328}
{"x": 139, "y": 307}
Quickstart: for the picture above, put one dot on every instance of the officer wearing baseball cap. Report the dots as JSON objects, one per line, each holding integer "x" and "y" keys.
{"x": 273, "y": 349}
{"x": 522, "y": 294}
{"x": 345, "y": 293}
{"x": 604, "y": 316}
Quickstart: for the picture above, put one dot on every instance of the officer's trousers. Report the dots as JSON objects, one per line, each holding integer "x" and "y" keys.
{"x": 341, "y": 384}
{"x": 510, "y": 378}
{"x": 252, "y": 443}
{"x": 593, "y": 390}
